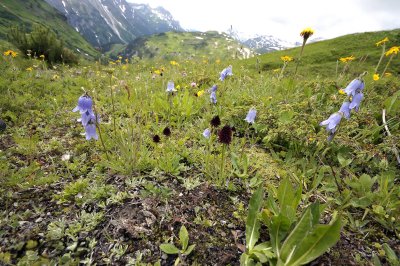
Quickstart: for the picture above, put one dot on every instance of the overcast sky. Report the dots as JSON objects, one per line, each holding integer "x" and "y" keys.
{"x": 284, "y": 18}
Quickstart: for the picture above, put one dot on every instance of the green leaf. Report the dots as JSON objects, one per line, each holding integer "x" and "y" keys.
{"x": 286, "y": 117}
{"x": 316, "y": 243}
{"x": 343, "y": 161}
{"x": 184, "y": 237}
{"x": 391, "y": 255}
{"x": 169, "y": 248}
{"x": 278, "y": 229}
{"x": 297, "y": 235}
{"x": 252, "y": 223}
{"x": 189, "y": 250}
{"x": 376, "y": 261}
{"x": 263, "y": 252}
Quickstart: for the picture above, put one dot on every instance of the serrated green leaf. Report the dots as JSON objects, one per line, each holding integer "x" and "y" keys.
{"x": 169, "y": 248}
{"x": 252, "y": 223}
{"x": 184, "y": 237}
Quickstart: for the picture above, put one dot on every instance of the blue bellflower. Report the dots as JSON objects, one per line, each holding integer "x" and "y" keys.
{"x": 85, "y": 104}
{"x": 213, "y": 97}
{"x": 251, "y": 116}
{"x": 170, "y": 87}
{"x": 355, "y": 102}
{"x": 345, "y": 109}
{"x": 355, "y": 86}
{"x": 90, "y": 128}
{"x": 207, "y": 133}
{"x": 226, "y": 72}
{"x": 332, "y": 122}
{"x": 213, "y": 89}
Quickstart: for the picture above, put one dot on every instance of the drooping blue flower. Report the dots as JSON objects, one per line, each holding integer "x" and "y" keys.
{"x": 207, "y": 133}
{"x": 85, "y": 117}
{"x": 85, "y": 104}
{"x": 90, "y": 128}
{"x": 213, "y": 97}
{"x": 170, "y": 87}
{"x": 332, "y": 122}
{"x": 226, "y": 72}
{"x": 251, "y": 115}
{"x": 355, "y": 102}
{"x": 213, "y": 89}
{"x": 355, "y": 86}
{"x": 345, "y": 110}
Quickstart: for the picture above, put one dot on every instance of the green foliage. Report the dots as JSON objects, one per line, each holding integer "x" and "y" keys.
{"x": 41, "y": 41}
{"x": 292, "y": 242}
{"x": 185, "y": 248}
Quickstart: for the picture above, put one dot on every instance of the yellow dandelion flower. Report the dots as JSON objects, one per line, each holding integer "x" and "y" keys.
{"x": 341, "y": 91}
{"x": 178, "y": 87}
{"x": 286, "y": 58}
{"x": 375, "y": 77}
{"x": 386, "y": 39}
{"x": 393, "y": 50}
{"x": 29, "y": 69}
{"x": 55, "y": 77}
{"x": 347, "y": 59}
{"x": 200, "y": 93}
{"x": 10, "y": 53}
{"x": 174, "y": 63}
{"x": 157, "y": 71}
{"x": 387, "y": 74}
{"x": 306, "y": 33}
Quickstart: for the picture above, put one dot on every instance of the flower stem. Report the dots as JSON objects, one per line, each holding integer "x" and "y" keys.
{"x": 387, "y": 65}
{"x": 380, "y": 59}
{"x": 113, "y": 107}
{"x": 301, "y": 54}
{"x": 221, "y": 172}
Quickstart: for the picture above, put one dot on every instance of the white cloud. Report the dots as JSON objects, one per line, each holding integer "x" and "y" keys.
{"x": 284, "y": 18}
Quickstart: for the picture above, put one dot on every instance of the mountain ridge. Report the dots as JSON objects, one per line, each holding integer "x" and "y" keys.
{"x": 105, "y": 22}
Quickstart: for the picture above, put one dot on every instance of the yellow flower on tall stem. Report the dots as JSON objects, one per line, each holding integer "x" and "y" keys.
{"x": 383, "y": 44}
{"x": 392, "y": 52}
{"x": 286, "y": 59}
{"x": 375, "y": 77}
{"x": 306, "y": 33}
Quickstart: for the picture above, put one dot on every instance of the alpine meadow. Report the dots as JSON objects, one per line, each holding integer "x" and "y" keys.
{"x": 172, "y": 147}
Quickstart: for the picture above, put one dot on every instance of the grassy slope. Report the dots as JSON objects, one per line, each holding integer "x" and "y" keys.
{"x": 26, "y": 13}
{"x": 320, "y": 57}
{"x": 186, "y": 44}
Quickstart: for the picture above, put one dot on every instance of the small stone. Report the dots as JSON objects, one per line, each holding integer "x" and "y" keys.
{"x": 231, "y": 225}
{"x": 164, "y": 256}
{"x": 38, "y": 220}
{"x": 3, "y": 125}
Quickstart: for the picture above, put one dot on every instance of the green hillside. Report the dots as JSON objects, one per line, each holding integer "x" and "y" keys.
{"x": 321, "y": 57}
{"x": 212, "y": 45}
{"x": 24, "y": 14}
